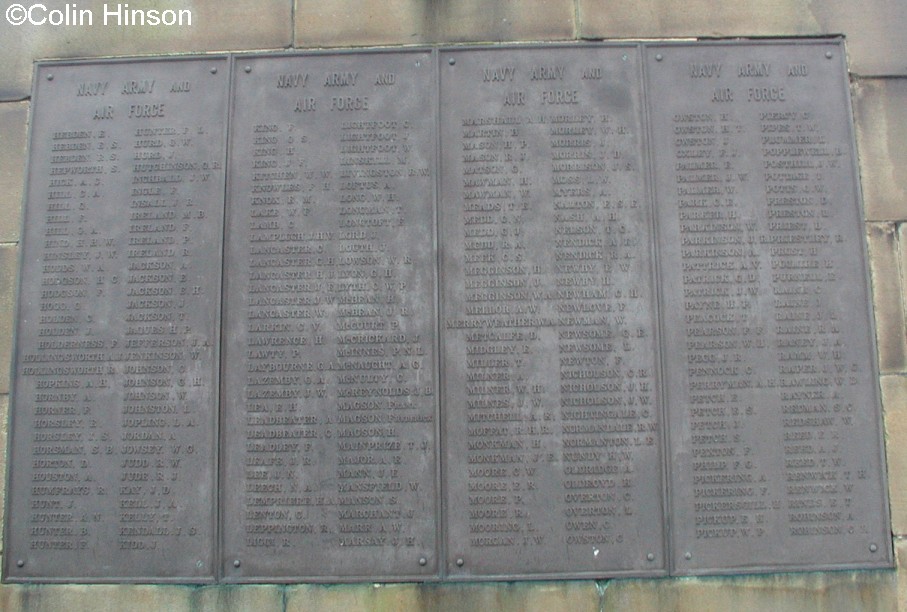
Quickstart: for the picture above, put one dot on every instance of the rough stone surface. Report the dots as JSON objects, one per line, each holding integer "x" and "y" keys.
{"x": 236, "y": 598}
{"x": 9, "y": 259}
{"x": 503, "y": 20}
{"x": 880, "y": 117}
{"x": 894, "y": 403}
{"x": 13, "y": 124}
{"x": 338, "y": 23}
{"x": 216, "y": 26}
{"x": 831, "y": 592}
{"x": 695, "y": 18}
{"x": 886, "y": 290}
{"x": 97, "y": 598}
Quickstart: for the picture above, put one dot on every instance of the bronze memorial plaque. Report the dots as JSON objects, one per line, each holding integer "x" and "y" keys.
{"x": 330, "y": 454}
{"x": 775, "y": 451}
{"x": 513, "y": 312}
{"x": 115, "y": 382}
{"x": 552, "y": 428}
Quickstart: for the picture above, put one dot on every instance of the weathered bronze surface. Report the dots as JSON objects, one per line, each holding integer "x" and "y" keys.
{"x": 488, "y": 313}
{"x": 770, "y": 388}
{"x": 552, "y": 429}
{"x": 329, "y": 337}
{"x": 114, "y": 412}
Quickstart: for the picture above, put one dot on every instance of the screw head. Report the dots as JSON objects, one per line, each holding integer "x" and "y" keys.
{"x": 50, "y": 77}
{"x": 873, "y": 548}
{"x": 423, "y": 561}
{"x": 659, "y": 57}
{"x": 688, "y": 556}
{"x": 828, "y": 54}
{"x": 650, "y": 557}
{"x": 20, "y": 563}
{"x": 236, "y": 563}
{"x": 451, "y": 61}
{"x": 214, "y": 71}
{"x": 248, "y": 69}
{"x": 460, "y": 562}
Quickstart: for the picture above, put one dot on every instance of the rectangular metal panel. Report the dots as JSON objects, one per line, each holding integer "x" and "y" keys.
{"x": 330, "y": 451}
{"x": 773, "y": 409}
{"x": 552, "y": 428}
{"x": 114, "y": 408}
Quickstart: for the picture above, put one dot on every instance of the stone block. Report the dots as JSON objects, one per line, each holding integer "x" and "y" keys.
{"x": 338, "y": 23}
{"x": 567, "y": 596}
{"x": 504, "y": 20}
{"x": 811, "y": 592}
{"x": 876, "y": 45}
{"x": 215, "y": 26}
{"x": 96, "y": 598}
{"x": 353, "y": 598}
{"x": 13, "y": 124}
{"x": 874, "y": 29}
{"x": 880, "y": 117}
{"x": 887, "y": 298}
{"x": 900, "y": 553}
{"x": 9, "y": 260}
{"x": 4, "y": 432}
{"x": 894, "y": 404}
{"x": 238, "y": 598}
{"x": 695, "y": 18}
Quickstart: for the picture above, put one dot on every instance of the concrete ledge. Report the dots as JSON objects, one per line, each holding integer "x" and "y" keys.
{"x": 13, "y": 124}
{"x": 880, "y": 119}
{"x": 96, "y": 598}
{"x": 830, "y": 592}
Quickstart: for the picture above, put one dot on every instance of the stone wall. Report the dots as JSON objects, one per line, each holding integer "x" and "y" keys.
{"x": 877, "y": 59}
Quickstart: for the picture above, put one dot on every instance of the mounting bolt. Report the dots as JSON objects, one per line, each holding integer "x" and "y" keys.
{"x": 688, "y": 555}
{"x": 873, "y": 548}
{"x": 236, "y": 563}
{"x": 451, "y": 61}
{"x": 50, "y": 77}
{"x": 214, "y": 71}
{"x": 828, "y": 55}
{"x": 20, "y": 563}
{"x": 650, "y": 557}
{"x": 248, "y": 68}
{"x": 460, "y": 562}
{"x": 659, "y": 57}
{"x": 423, "y": 561}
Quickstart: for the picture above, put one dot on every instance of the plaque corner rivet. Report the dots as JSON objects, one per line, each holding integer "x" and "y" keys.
{"x": 650, "y": 557}
{"x": 236, "y": 563}
{"x": 659, "y": 57}
{"x": 623, "y": 57}
{"x": 460, "y": 562}
{"x": 50, "y": 77}
{"x": 423, "y": 561}
{"x": 688, "y": 556}
{"x": 828, "y": 54}
{"x": 451, "y": 61}
{"x": 873, "y": 548}
{"x": 248, "y": 68}
{"x": 214, "y": 70}
{"x": 20, "y": 563}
